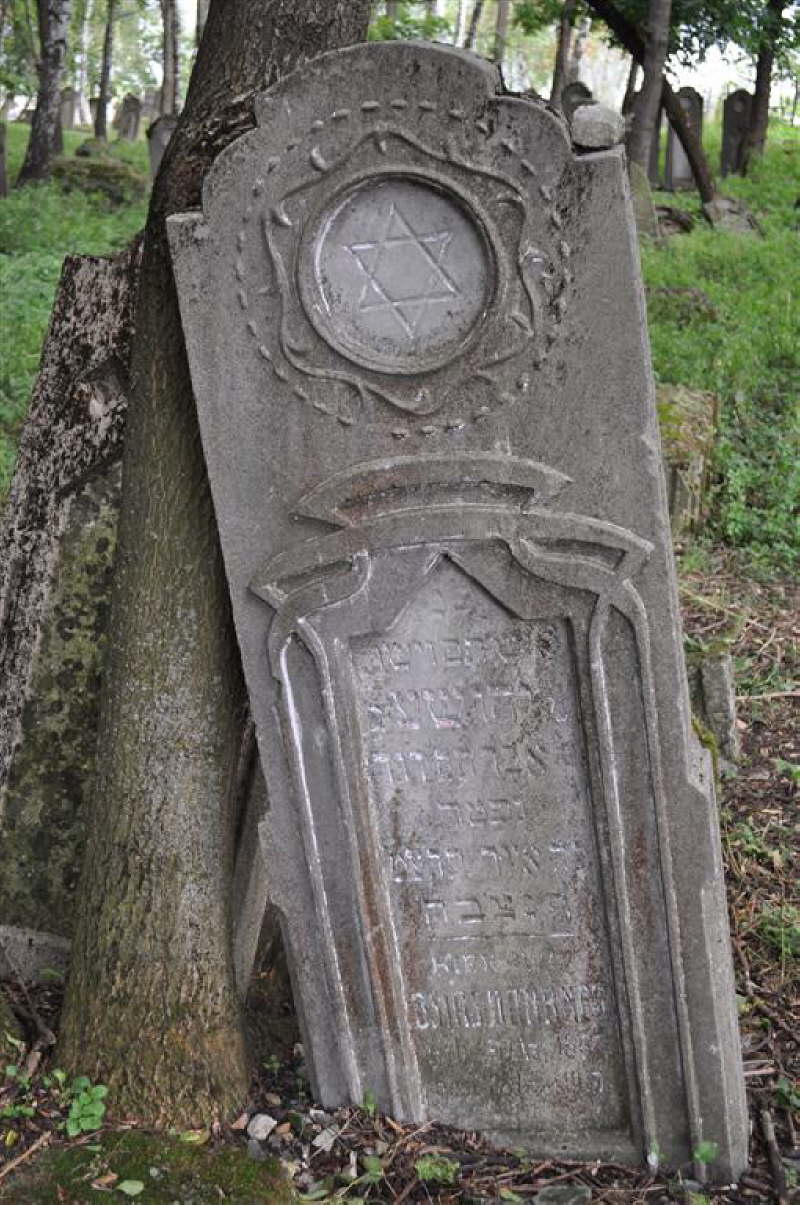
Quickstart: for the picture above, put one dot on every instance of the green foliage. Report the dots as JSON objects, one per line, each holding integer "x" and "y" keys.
{"x": 747, "y": 354}
{"x": 705, "y": 1152}
{"x": 413, "y": 20}
{"x": 780, "y": 926}
{"x": 110, "y": 180}
{"x": 787, "y": 1094}
{"x": 436, "y": 1169}
{"x": 87, "y": 1107}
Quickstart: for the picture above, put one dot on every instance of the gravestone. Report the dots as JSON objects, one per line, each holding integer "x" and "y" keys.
{"x": 573, "y": 96}
{"x": 94, "y": 105}
{"x": 127, "y": 121}
{"x": 417, "y": 341}
{"x": 158, "y": 136}
{"x": 735, "y": 128}
{"x": 677, "y": 169}
{"x": 69, "y": 108}
{"x": 150, "y": 102}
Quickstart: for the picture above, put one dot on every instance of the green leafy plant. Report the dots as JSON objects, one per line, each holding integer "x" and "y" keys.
{"x": 87, "y": 1107}
{"x": 435, "y": 1169}
{"x": 787, "y": 1094}
{"x": 705, "y": 1152}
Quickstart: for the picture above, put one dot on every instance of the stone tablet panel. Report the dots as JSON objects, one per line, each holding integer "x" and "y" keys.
{"x": 415, "y": 327}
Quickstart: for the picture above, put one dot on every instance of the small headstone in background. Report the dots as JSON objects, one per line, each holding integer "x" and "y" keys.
{"x": 158, "y": 136}
{"x": 127, "y": 121}
{"x": 712, "y": 686}
{"x": 150, "y": 103}
{"x": 688, "y": 422}
{"x": 677, "y": 169}
{"x": 595, "y": 127}
{"x": 69, "y": 108}
{"x": 94, "y": 104}
{"x": 414, "y": 322}
{"x": 573, "y": 96}
{"x": 735, "y": 128}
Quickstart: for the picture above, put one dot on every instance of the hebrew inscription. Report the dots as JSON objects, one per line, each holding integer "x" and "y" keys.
{"x": 402, "y": 273}
{"x": 474, "y": 751}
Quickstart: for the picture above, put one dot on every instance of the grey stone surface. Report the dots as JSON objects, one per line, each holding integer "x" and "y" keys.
{"x": 735, "y": 124}
{"x": 688, "y": 424}
{"x": 654, "y": 162}
{"x": 69, "y": 108}
{"x": 713, "y": 687}
{"x": 158, "y": 136}
{"x": 677, "y": 170}
{"x": 595, "y": 127}
{"x": 491, "y": 835}
{"x": 31, "y": 957}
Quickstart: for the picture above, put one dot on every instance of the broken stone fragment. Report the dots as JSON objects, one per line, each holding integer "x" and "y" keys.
{"x": 596, "y": 126}
{"x": 261, "y": 1126}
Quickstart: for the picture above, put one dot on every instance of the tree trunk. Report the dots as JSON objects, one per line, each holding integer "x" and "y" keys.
{"x": 633, "y": 43}
{"x": 42, "y": 144}
{"x": 574, "y": 69}
{"x": 104, "y": 94}
{"x": 562, "y": 51}
{"x": 759, "y": 110}
{"x": 501, "y": 30}
{"x": 202, "y": 17}
{"x": 170, "y": 83}
{"x": 459, "y": 26}
{"x": 472, "y": 31}
{"x": 630, "y": 88}
{"x": 645, "y": 118}
{"x": 151, "y": 1008}
{"x": 3, "y": 176}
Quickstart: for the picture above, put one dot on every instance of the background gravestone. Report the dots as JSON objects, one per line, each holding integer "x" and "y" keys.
{"x": 735, "y": 128}
{"x": 573, "y": 96}
{"x": 127, "y": 121}
{"x": 418, "y": 346}
{"x": 677, "y": 169}
{"x": 69, "y": 108}
{"x": 158, "y": 136}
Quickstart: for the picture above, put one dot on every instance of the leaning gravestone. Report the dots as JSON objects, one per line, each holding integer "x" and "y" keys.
{"x": 677, "y": 169}
{"x": 158, "y": 136}
{"x": 417, "y": 339}
{"x": 573, "y": 96}
{"x": 735, "y": 128}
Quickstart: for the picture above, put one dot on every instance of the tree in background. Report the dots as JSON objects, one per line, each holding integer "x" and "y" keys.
{"x": 43, "y": 144}
{"x": 409, "y": 19}
{"x": 151, "y": 1008}
{"x": 171, "y": 58}
{"x": 104, "y": 93}
{"x": 648, "y": 106}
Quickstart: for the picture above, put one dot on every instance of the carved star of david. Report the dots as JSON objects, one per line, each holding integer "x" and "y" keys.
{"x": 423, "y": 281}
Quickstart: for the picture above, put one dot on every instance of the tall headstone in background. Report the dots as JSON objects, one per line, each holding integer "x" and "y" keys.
{"x": 677, "y": 169}
{"x": 69, "y": 108}
{"x": 127, "y": 121}
{"x": 417, "y": 339}
{"x": 150, "y": 104}
{"x": 735, "y": 128}
{"x": 158, "y": 136}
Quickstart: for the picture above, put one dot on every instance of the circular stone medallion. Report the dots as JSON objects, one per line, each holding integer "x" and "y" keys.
{"x": 402, "y": 274}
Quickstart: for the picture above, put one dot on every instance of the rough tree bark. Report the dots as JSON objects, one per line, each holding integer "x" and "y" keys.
{"x": 579, "y": 41}
{"x": 151, "y": 1008}
{"x": 634, "y": 44}
{"x": 104, "y": 93}
{"x": 472, "y": 30}
{"x": 630, "y": 88}
{"x": 759, "y": 111}
{"x": 169, "y": 85}
{"x": 562, "y": 51}
{"x": 645, "y": 117}
{"x": 501, "y": 30}
{"x": 45, "y": 130}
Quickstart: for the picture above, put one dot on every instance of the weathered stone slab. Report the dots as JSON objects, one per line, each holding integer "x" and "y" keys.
{"x": 735, "y": 128}
{"x": 416, "y": 332}
{"x": 677, "y": 169}
{"x": 688, "y": 425}
{"x": 127, "y": 119}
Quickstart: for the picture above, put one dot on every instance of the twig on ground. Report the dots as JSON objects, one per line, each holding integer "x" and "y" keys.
{"x": 776, "y": 1163}
{"x": 771, "y": 694}
{"x": 35, "y": 1146}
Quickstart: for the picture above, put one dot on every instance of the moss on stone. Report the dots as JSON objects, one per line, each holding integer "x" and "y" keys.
{"x": 171, "y": 1171}
{"x": 117, "y": 182}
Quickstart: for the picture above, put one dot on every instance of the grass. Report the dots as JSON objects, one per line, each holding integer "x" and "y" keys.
{"x": 39, "y": 225}
{"x": 745, "y": 349}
